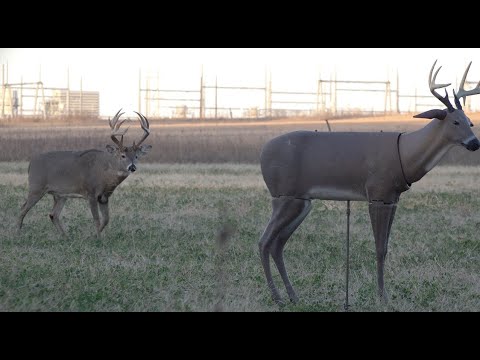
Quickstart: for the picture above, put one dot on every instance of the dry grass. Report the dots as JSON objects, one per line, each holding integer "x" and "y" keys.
{"x": 159, "y": 252}
{"x": 206, "y": 142}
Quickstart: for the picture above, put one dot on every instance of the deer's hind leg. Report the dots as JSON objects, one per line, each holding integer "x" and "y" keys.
{"x": 33, "y": 197}
{"x": 96, "y": 217}
{"x": 287, "y": 214}
{"x": 103, "y": 205}
{"x": 381, "y": 216}
{"x": 59, "y": 203}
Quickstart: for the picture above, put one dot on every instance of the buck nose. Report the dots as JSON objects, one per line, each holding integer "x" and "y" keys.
{"x": 132, "y": 168}
{"x": 473, "y": 145}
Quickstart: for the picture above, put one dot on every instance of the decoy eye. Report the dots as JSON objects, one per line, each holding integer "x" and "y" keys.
{"x": 471, "y": 125}
{"x": 456, "y": 122}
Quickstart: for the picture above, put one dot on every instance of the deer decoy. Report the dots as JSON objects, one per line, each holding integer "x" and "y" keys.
{"x": 364, "y": 166}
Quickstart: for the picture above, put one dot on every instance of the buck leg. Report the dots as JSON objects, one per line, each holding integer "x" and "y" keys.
{"x": 59, "y": 203}
{"x": 96, "y": 217}
{"x": 381, "y": 216}
{"x": 287, "y": 214}
{"x": 32, "y": 199}
{"x": 105, "y": 215}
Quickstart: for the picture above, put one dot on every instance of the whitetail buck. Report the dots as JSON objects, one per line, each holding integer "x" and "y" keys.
{"x": 91, "y": 174}
{"x": 364, "y": 166}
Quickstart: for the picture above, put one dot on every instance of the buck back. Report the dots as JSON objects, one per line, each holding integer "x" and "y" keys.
{"x": 76, "y": 173}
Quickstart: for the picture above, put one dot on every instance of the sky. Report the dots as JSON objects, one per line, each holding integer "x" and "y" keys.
{"x": 115, "y": 72}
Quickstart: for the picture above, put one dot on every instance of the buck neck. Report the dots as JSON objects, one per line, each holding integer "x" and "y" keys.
{"x": 421, "y": 150}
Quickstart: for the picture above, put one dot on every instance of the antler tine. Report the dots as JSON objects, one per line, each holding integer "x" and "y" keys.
{"x": 461, "y": 89}
{"x": 145, "y": 126}
{"x": 114, "y": 121}
{"x": 115, "y": 126}
{"x": 433, "y": 87}
{"x": 143, "y": 122}
{"x": 457, "y": 100}
{"x": 432, "y": 84}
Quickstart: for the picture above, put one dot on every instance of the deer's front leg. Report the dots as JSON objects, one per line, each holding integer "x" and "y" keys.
{"x": 96, "y": 217}
{"x": 381, "y": 216}
{"x": 105, "y": 214}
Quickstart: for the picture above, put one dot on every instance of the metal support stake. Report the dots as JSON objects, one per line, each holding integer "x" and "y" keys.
{"x": 328, "y": 125}
{"x": 347, "y": 263}
{"x": 347, "y": 260}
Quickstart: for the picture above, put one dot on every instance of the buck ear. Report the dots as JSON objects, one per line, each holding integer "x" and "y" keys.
{"x": 144, "y": 149}
{"x": 433, "y": 114}
{"x": 110, "y": 149}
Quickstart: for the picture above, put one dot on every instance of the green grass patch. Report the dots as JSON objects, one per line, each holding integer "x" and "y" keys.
{"x": 159, "y": 251}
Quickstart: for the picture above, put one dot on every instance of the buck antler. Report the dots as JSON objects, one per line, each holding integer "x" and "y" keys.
{"x": 115, "y": 126}
{"x": 433, "y": 87}
{"x": 145, "y": 126}
{"x": 461, "y": 90}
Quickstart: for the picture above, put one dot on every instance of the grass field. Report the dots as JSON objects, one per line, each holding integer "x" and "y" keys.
{"x": 159, "y": 251}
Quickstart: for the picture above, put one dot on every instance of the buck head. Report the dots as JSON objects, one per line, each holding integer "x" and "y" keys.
{"x": 456, "y": 126}
{"x": 128, "y": 156}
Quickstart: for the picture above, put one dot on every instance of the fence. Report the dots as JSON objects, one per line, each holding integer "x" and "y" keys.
{"x": 215, "y": 99}
{"x": 203, "y": 102}
{"x": 325, "y": 98}
{"x": 37, "y": 100}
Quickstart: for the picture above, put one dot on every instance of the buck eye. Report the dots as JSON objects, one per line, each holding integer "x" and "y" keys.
{"x": 456, "y": 122}
{"x": 471, "y": 125}
{"x": 123, "y": 156}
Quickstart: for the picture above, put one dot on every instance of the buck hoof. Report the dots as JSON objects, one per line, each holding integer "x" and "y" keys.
{"x": 383, "y": 296}
{"x": 278, "y": 299}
